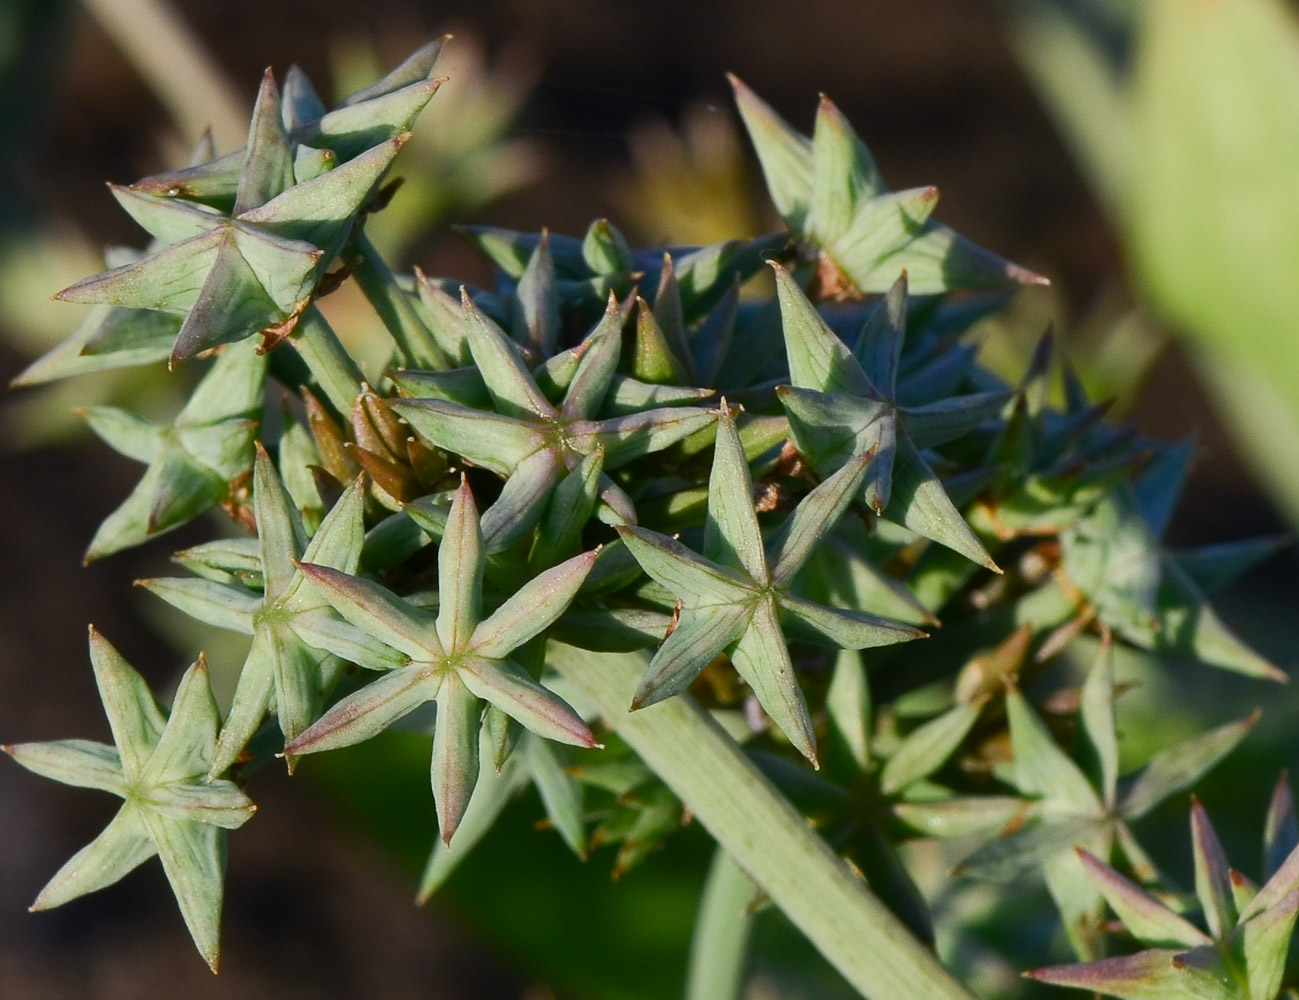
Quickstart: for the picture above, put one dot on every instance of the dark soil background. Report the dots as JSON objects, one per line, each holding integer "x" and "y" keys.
{"x": 313, "y": 909}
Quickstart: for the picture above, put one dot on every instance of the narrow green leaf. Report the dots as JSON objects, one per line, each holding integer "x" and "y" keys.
{"x": 848, "y": 706}
{"x": 227, "y": 607}
{"x": 683, "y": 572}
{"x": 369, "y": 711}
{"x": 454, "y": 768}
{"x": 495, "y": 442}
{"x": 731, "y": 535}
{"x": 926, "y": 749}
{"x": 531, "y": 609}
{"x": 1179, "y": 767}
{"x": 511, "y": 385}
{"x": 818, "y": 359}
{"x": 1144, "y": 916}
{"x": 122, "y": 847}
{"x": 193, "y": 856}
{"x": 1098, "y": 720}
{"x": 699, "y": 635}
{"x": 460, "y": 578}
{"x": 81, "y": 763}
{"x": 560, "y": 793}
{"x": 762, "y": 658}
{"x": 841, "y": 627}
{"x": 590, "y": 385}
{"x": 133, "y": 714}
{"x": 785, "y": 156}
{"x": 1212, "y": 875}
{"x": 268, "y": 163}
{"x": 1041, "y": 767}
{"x": 507, "y": 686}
{"x": 378, "y": 611}
{"x": 813, "y": 519}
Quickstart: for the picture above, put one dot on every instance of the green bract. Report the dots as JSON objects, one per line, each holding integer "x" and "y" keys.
{"x": 700, "y": 500}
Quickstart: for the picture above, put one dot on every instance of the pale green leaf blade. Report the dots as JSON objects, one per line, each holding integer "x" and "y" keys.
{"x": 531, "y": 609}
{"x": 133, "y": 713}
{"x": 700, "y": 634}
{"x": 168, "y": 280}
{"x": 842, "y": 627}
{"x": 1147, "y": 975}
{"x": 368, "y": 712}
{"x": 252, "y": 700}
{"x": 731, "y": 535}
{"x": 1212, "y": 874}
{"x": 848, "y": 705}
{"x": 920, "y": 503}
{"x": 785, "y": 156}
{"x": 561, "y": 793}
{"x": 602, "y": 350}
{"x": 193, "y": 856}
{"x": 268, "y": 163}
{"x": 82, "y": 763}
{"x": 1041, "y": 767}
{"x": 322, "y": 628}
{"x": 512, "y": 387}
{"x": 377, "y": 610}
{"x": 843, "y": 174}
{"x": 218, "y": 803}
{"x": 813, "y": 519}
{"x": 495, "y": 442}
{"x": 280, "y": 534}
{"x": 507, "y": 686}
{"x": 454, "y": 767}
{"x": 1179, "y": 767}
{"x": 683, "y": 572}
{"x": 1097, "y": 713}
{"x": 926, "y": 749}
{"x": 460, "y": 574}
{"x": 818, "y": 359}
{"x": 639, "y": 434}
{"x": 122, "y": 847}
{"x": 219, "y": 604}
{"x": 184, "y": 752}
{"x": 1145, "y": 917}
{"x": 492, "y": 793}
{"x": 522, "y": 501}
{"x": 125, "y": 432}
{"x": 762, "y": 658}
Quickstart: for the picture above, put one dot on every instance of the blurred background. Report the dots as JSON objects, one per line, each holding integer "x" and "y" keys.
{"x": 1139, "y": 154}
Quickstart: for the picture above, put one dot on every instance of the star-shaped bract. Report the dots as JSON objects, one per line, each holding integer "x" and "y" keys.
{"x": 160, "y": 768}
{"x": 192, "y": 461}
{"x": 297, "y": 193}
{"x": 844, "y": 401}
{"x": 1090, "y": 811}
{"x": 457, "y": 659}
{"x": 736, "y": 595}
{"x": 531, "y": 441}
{"x": 1152, "y": 596}
{"x": 1243, "y": 955}
{"x": 295, "y": 633}
{"x": 829, "y": 191}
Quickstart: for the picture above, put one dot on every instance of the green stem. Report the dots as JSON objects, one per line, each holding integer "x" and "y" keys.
{"x": 721, "y": 937}
{"x": 330, "y": 364}
{"x": 392, "y": 304}
{"x": 765, "y": 835}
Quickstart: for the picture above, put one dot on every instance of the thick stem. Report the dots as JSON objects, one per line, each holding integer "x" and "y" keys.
{"x": 721, "y": 938}
{"x": 766, "y": 836}
{"x": 330, "y": 364}
{"x": 390, "y": 301}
